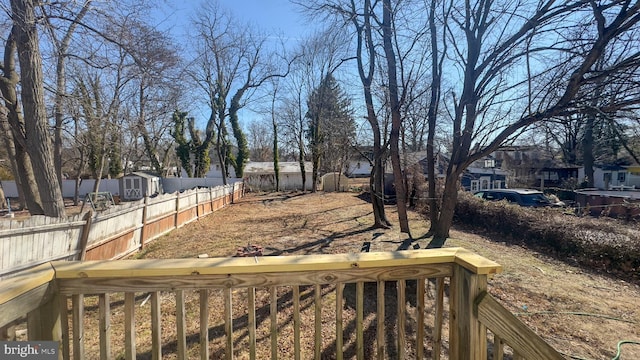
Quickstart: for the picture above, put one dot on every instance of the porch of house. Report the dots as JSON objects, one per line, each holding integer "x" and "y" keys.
{"x": 406, "y": 304}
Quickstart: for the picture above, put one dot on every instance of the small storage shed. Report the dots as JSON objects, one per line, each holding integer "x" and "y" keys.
{"x": 137, "y": 185}
{"x": 335, "y": 181}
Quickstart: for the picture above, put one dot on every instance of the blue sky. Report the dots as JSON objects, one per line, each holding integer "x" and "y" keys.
{"x": 277, "y": 17}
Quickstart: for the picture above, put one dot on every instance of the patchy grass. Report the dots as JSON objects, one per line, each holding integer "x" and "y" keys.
{"x": 580, "y": 313}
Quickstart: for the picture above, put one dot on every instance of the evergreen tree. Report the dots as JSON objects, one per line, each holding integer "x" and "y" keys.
{"x": 183, "y": 145}
{"x": 331, "y": 127}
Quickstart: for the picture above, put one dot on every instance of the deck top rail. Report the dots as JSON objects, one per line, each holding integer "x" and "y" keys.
{"x": 269, "y": 264}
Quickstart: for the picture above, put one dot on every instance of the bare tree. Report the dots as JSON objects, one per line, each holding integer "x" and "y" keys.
{"x": 61, "y": 43}
{"x": 231, "y": 63}
{"x": 361, "y": 19}
{"x": 498, "y": 38}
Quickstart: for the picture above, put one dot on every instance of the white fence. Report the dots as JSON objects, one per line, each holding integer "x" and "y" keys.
{"x": 69, "y": 187}
{"x": 169, "y": 185}
{"x": 111, "y": 234}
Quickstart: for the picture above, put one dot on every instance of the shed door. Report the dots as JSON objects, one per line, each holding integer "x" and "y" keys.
{"x": 132, "y": 188}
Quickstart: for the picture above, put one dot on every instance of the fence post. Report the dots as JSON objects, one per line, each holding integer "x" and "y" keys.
{"x": 175, "y": 225}
{"x": 84, "y": 239}
{"x": 467, "y": 336}
{"x": 144, "y": 222}
{"x": 211, "y": 201}
{"x": 198, "y": 203}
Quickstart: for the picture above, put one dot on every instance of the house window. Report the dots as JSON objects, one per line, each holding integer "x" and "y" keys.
{"x": 497, "y": 184}
{"x": 489, "y": 163}
{"x": 475, "y": 185}
{"x": 484, "y": 184}
{"x": 622, "y": 177}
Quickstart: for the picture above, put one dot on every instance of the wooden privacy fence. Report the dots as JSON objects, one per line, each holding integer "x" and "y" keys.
{"x": 360, "y": 305}
{"x": 110, "y": 234}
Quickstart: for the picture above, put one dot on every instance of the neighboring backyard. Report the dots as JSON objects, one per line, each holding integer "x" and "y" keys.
{"x": 582, "y": 314}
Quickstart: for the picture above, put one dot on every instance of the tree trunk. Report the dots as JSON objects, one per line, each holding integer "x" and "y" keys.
{"x": 9, "y": 144}
{"x": 436, "y": 80}
{"x": 29, "y": 195}
{"x": 61, "y": 84}
{"x": 587, "y": 149}
{"x": 440, "y": 229}
{"x": 396, "y": 120}
{"x": 36, "y": 126}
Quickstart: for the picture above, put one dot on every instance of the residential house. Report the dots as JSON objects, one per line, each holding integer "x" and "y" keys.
{"x": 533, "y": 166}
{"x": 360, "y": 163}
{"x": 484, "y": 174}
{"x": 260, "y": 176}
{"x": 614, "y": 177}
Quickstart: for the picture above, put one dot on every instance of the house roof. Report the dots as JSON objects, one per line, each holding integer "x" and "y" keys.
{"x": 287, "y": 167}
{"x": 487, "y": 171}
{"x": 628, "y": 194}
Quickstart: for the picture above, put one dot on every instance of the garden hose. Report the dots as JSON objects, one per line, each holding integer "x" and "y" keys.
{"x": 617, "y": 357}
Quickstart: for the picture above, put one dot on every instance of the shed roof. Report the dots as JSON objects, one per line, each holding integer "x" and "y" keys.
{"x": 142, "y": 174}
{"x": 287, "y": 167}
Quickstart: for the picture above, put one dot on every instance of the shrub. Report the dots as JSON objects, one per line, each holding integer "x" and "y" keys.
{"x": 599, "y": 244}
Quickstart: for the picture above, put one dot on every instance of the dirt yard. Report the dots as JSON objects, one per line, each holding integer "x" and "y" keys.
{"x": 582, "y": 314}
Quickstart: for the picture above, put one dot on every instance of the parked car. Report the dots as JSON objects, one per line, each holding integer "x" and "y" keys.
{"x": 522, "y": 197}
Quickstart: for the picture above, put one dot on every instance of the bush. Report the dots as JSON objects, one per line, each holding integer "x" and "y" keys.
{"x": 599, "y": 244}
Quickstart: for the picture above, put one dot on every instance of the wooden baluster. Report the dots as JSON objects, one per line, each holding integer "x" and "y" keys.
{"x": 402, "y": 304}
{"x": 64, "y": 326}
{"x": 438, "y": 316}
{"x": 78, "y": 326}
{"x": 339, "y": 327}
{"x": 360, "y": 320}
{"x": 318, "y": 321}
{"x": 181, "y": 325}
{"x": 156, "y": 326}
{"x": 204, "y": 324}
{"x": 129, "y": 326}
{"x": 104, "y": 323}
{"x": 251, "y": 298}
{"x": 498, "y": 348}
{"x": 420, "y": 309}
{"x": 228, "y": 323}
{"x": 380, "y": 337}
{"x": 296, "y": 322}
{"x": 273, "y": 314}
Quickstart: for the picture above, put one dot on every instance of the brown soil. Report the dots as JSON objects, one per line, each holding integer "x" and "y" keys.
{"x": 582, "y": 314}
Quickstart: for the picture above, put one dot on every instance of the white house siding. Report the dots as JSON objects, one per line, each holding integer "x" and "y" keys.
{"x": 617, "y": 178}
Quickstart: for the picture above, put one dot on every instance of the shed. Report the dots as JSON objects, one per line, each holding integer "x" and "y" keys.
{"x": 335, "y": 181}
{"x": 138, "y": 185}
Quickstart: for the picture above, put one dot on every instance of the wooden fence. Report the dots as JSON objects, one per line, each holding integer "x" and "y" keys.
{"x": 111, "y": 234}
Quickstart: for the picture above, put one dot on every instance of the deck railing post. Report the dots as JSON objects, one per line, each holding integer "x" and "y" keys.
{"x": 468, "y": 337}
{"x": 44, "y": 322}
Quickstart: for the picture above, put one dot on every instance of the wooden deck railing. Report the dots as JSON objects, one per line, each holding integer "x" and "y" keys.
{"x": 362, "y": 305}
